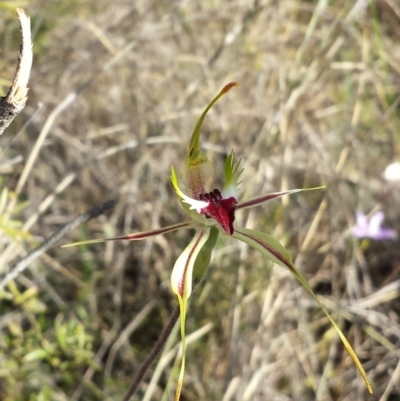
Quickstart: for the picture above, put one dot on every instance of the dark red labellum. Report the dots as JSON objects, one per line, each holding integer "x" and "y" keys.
{"x": 220, "y": 209}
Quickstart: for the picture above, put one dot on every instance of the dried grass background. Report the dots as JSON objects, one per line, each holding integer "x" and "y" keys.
{"x": 318, "y": 104}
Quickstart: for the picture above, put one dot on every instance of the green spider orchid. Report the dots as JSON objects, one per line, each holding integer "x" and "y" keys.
{"x": 213, "y": 213}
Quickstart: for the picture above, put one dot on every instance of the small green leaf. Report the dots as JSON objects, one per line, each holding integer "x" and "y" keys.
{"x": 61, "y": 332}
{"x": 36, "y": 355}
{"x": 203, "y": 258}
{"x": 29, "y": 293}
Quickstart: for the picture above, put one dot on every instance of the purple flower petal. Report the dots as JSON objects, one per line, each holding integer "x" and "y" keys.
{"x": 359, "y": 232}
{"x": 371, "y": 227}
{"x": 375, "y": 223}
{"x": 385, "y": 233}
{"x": 361, "y": 221}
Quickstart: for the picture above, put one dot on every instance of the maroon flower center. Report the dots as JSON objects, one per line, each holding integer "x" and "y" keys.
{"x": 220, "y": 209}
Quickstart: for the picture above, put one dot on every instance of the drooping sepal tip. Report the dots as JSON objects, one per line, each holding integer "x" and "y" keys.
{"x": 271, "y": 248}
{"x": 229, "y": 86}
{"x": 300, "y": 278}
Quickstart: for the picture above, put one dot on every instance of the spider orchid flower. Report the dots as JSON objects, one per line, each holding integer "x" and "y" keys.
{"x": 213, "y": 213}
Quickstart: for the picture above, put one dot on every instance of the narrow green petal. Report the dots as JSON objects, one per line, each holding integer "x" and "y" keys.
{"x": 259, "y": 200}
{"x": 273, "y": 250}
{"x": 135, "y": 236}
{"x": 181, "y": 284}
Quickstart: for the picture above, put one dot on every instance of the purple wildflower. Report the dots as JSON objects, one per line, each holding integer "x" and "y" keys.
{"x": 371, "y": 227}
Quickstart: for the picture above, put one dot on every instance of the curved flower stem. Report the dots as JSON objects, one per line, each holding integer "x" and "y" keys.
{"x": 153, "y": 354}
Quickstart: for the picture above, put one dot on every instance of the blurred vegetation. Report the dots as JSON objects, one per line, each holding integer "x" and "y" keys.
{"x": 318, "y": 104}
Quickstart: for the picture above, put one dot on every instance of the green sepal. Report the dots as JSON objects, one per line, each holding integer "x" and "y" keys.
{"x": 266, "y": 244}
{"x": 197, "y": 166}
{"x": 194, "y": 147}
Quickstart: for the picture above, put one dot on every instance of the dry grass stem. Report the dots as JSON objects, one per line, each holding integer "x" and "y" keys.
{"x": 14, "y": 102}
